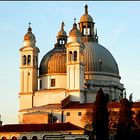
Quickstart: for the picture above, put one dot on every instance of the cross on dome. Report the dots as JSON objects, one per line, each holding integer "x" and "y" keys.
{"x": 74, "y": 20}
{"x": 62, "y": 26}
{"x": 29, "y": 27}
{"x": 86, "y": 9}
{"x": 29, "y": 24}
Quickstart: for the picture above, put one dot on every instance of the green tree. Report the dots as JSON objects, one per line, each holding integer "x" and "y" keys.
{"x": 100, "y": 116}
{"x": 125, "y": 121}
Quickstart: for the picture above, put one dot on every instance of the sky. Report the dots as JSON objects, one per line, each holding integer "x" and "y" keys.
{"x": 118, "y": 25}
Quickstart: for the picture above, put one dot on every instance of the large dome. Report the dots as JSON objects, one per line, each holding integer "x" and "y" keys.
{"x": 99, "y": 60}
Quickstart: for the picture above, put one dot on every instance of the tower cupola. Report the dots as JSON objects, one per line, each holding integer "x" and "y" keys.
{"x": 61, "y": 37}
{"x": 29, "y": 38}
{"x": 86, "y": 17}
{"x": 74, "y": 34}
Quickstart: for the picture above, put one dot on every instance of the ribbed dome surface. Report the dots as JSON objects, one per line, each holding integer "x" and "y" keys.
{"x": 99, "y": 59}
{"x": 53, "y": 62}
{"x": 96, "y": 58}
{"x": 56, "y": 63}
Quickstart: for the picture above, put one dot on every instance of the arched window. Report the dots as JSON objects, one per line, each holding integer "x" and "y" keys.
{"x": 24, "y": 138}
{"x": 45, "y": 137}
{"x": 55, "y": 119}
{"x": 84, "y": 30}
{"x": 29, "y": 59}
{"x": 75, "y": 55}
{"x": 63, "y": 41}
{"x": 14, "y": 138}
{"x": 88, "y": 31}
{"x": 34, "y": 138}
{"x": 40, "y": 84}
{"x": 24, "y": 60}
{"x": 4, "y": 138}
{"x": 70, "y": 56}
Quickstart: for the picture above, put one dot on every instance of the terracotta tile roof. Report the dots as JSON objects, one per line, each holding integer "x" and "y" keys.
{"x": 39, "y": 127}
{"x": 77, "y": 105}
{"x": 48, "y": 106}
{"x": 118, "y": 105}
{"x": 136, "y": 104}
{"x": 36, "y": 112}
{"x": 114, "y": 105}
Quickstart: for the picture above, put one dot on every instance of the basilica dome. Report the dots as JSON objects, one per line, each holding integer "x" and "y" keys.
{"x": 99, "y": 60}
{"x": 55, "y": 60}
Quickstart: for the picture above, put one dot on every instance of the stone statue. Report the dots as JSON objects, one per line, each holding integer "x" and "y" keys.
{"x": 124, "y": 94}
{"x": 131, "y": 97}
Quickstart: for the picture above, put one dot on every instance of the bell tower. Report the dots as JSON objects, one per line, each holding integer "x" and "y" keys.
{"x": 75, "y": 65}
{"x": 28, "y": 70}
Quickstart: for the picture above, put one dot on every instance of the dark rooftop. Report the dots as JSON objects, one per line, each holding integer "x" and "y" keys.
{"x": 39, "y": 127}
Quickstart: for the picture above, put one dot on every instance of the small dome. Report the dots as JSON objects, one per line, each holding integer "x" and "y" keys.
{"x": 75, "y": 32}
{"x": 53, "y": 62}
{"x": 62, "y": 33}
{"x": 29, "y": 35}
{"x": 56, "y": 63}
{"x": 86, "y": 17}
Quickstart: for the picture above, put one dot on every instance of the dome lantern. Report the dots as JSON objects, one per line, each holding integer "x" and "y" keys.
{"x": 86, "y": 9}
{"x": 86, "y": 26}
{"x": 61, "y": 37}
{"x": 86, "y": 17}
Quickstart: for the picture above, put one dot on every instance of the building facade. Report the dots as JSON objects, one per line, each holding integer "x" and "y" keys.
{"x": 56, "y": 96}
{"x": 71, "y": 73}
